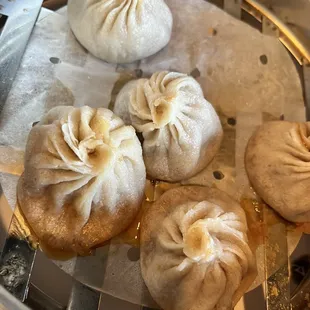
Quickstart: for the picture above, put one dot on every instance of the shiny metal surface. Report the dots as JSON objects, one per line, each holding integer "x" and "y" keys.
{"x": 301, "y": 300}
{"x": 16, "y": 265}
{"x": 286, "y": 20}
{"x": 8, "y": 302}
{"x": 233, "y": 7}
{"x": 285, "y": 33}
{"x": 306, "y": 78}
{"x": 294, "y": 13}
{"x": 37, "y": 298}
{"x": 83, "y": 297}
{"x": 13, "y": 39}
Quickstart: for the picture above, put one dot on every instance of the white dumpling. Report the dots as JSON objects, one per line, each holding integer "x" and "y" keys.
{"x": 194, "y": 250}
{"x": 277, "y": 162}
{"x": 121, "y": 31}
{"x": 84, "y": 178}
{"x": 181, "y": 130}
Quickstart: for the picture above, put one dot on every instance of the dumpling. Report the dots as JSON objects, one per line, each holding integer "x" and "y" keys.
{"x": 181, "y": 130}
{"x": 121, "y": 31}
{"x": 194, "y": 250}
{"x": 277, "y": 162}
{"x": 84, "y": 178}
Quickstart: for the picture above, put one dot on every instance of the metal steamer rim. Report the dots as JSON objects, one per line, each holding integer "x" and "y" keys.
{"x": 80, "y": 295}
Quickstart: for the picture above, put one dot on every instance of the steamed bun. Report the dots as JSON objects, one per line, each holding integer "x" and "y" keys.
{"x": 121, "y": 31}
{"x": 194, "y": 250}
{"x": 181, "y": 130}
{"x": 277, "y": 162}
{"x": 84, "y": 178}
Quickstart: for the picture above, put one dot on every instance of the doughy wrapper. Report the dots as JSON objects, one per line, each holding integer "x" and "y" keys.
{"x": 181, "y": 130}
{"x": 84, "y": 178}
{"x": 194, "y": 249}
{"x": 222, "y": 53}
{"x": 277, "y": 160}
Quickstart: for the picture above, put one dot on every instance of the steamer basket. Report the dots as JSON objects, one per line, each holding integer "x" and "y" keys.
{"x": 77, "y": 284}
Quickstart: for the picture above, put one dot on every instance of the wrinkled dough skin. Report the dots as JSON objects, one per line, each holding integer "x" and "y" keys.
{"x": 194, "y": 250}
{"x": 84, "y": 178}
{"x": 121, "y": 31}
{"x": 182, "y": 132}
{"x": 277, "y": 161}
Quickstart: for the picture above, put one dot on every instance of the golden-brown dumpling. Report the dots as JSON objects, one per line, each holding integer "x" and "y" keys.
{"x": 277, "y": 161}
{"x": 84, "y": 178}
{"x": 194, "y": 250}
